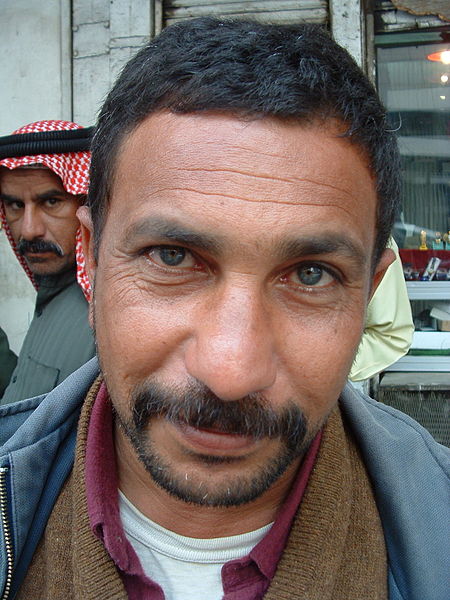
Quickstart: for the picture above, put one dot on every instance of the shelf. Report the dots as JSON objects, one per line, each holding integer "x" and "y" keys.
{"x": 422, "y": 363}
{"x": 425, "y": 381}
{"x": 428, "y": 290}
{"x": 431, "y": 340}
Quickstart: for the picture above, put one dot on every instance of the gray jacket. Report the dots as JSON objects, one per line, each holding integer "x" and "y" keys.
{"x": 8, "y": 361}
{"x": 58, "y": 341}
{"x": 409, "y": 470}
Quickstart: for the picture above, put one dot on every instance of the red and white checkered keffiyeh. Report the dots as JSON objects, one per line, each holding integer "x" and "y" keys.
{"x": 82, "y": 276}
{"x": 73, "y": 170}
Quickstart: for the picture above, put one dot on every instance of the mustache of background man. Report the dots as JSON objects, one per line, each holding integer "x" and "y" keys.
{"x": 38, "y": 246}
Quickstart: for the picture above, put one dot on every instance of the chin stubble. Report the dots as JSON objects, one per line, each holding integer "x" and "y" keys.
{"x": 196, "y": 406}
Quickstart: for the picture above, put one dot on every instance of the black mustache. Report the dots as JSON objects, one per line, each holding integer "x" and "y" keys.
{"x": 198, "y": 407}
{"x": 38, "y": 245}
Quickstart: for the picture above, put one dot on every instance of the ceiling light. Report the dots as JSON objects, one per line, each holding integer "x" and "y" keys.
{"x": 442, "y": 56}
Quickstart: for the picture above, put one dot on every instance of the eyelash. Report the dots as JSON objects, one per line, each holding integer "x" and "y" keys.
{"x": 48, "y": 202}
{"x": 284, "y": 278}
{"x": 167, "y": 268}
{"x": 336, "y": 277}
{"x": 13, "y": 204}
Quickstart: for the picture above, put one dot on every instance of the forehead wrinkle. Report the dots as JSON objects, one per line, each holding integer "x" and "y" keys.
{"x": 255, "y": 200}
{"x": 266, "y": 177}
{"x": 51, "y": 191}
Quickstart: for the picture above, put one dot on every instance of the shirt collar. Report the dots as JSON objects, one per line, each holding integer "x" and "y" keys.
{"x": 267, "y": 553}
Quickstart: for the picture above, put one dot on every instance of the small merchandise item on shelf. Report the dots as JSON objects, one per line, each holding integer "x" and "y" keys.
{"x": 431, "y": 269}
{"x": 441, "y": 312}
{"x": 423, "y": 240}
{"x": 426, "y": 266}
{"x": 438, "y": 243}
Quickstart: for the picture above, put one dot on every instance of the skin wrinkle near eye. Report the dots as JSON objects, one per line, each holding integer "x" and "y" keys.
{"x": 129, "y": 294}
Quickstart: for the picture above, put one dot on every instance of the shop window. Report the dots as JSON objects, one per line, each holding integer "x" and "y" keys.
{"x": 413, "y": 78}
{"x": 413, "y": 75}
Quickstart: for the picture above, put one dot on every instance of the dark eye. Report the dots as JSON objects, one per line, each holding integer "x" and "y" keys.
{"x": 171, "y": 256}
{"x": 52, "y": 201}
{"x": 311, "y": 276}
{"x": 14, "y": 204}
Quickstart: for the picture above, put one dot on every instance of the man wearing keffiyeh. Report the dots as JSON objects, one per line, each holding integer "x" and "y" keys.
{"x": 44, "y": 176}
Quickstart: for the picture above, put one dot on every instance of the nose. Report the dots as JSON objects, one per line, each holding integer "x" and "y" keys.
{"x": 232, "y": 349}
{"x": 33, "y": 225}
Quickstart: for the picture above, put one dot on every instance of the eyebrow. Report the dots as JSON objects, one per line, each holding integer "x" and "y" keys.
{"x": 51, "y": 194}
{"x": 8, "y": 198}
{"x": 44, "y": 196}
{"x": 326, "y": 244}
{"x": 166, "y": 229}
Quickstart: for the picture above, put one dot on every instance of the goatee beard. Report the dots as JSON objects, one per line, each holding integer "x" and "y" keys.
{"x": 198, "y": 407}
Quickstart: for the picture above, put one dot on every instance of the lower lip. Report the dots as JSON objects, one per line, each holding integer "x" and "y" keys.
{"x": 215, "y": 442}
{"x": 40, "y": 256}
{"x": 32, "y": 254}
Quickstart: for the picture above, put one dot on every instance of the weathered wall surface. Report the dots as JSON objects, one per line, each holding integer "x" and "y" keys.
{"x": 105, "y": 35}
{"x": 35, "y": 72}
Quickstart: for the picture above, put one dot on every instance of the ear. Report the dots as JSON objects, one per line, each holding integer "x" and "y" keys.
{"x": 87, "y": 242}
{"x": 387, "y": 258}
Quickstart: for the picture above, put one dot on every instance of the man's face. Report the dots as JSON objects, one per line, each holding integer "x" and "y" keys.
{"x": 233, "y": 274}
{"x": 42, "y": 218}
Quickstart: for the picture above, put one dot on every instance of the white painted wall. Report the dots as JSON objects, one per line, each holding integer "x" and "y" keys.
{"x": 35, "y": 75}
{"x": 16, "y": 296}
{"x": 347, "y": 26}
{"x": 35, "y": 70}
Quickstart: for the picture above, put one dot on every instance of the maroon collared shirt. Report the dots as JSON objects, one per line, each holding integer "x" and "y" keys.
{"x": 245, "y": 578}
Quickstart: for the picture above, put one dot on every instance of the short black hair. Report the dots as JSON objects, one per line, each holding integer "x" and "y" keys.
{"x": 247, "y": 69}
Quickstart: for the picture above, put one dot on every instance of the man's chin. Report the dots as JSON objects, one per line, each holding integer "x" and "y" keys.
{"x": 216, "y": 483}
{"x": 37, "y": 259}
{"x": 45, "y": 267}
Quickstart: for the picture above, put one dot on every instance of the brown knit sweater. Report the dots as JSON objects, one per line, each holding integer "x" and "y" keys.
{"x": 335, "y": 550}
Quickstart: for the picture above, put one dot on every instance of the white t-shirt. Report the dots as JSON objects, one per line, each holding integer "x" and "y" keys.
{"x": 185, "y": 568}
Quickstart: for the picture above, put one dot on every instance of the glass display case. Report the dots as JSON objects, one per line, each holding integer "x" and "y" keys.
{"x": 413, "y": 76}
